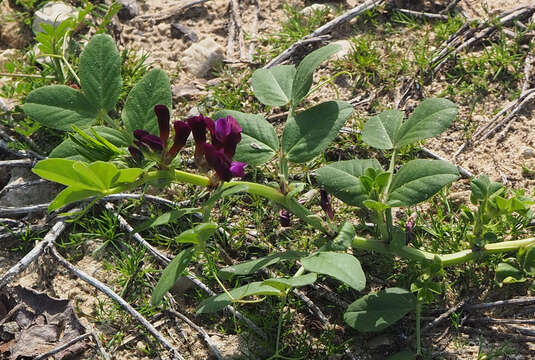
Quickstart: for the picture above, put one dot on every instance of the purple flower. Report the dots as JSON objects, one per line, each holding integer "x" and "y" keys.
{"x": 137, "y": 155}
{"x": 225, "y": 134}
{"x": 325, "y": 203}
{"x": 284, "y": 218}
{"x": 237, "y": 169}
{"x": 149, "y": 144}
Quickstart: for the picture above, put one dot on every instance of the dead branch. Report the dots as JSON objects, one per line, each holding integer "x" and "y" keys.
{"x": 62, "y": 347}
{"x": 254, "y": 29}
{"x": 497, "y": 334}
{"x": 23, "y": 210}
{"x": 450, "y": 6}
{"x": 443, "y": 316}
{"x": 231, "y": 33}
{"x": 111, "y": 294}
{"x": 517, "y": 301}
{"x": 464, "y": 173}
{"x": 17, "y": 163}
{"x": 422, "y": 14}
{"x": 21, "y": 154}
{"x": 38, "y": 249}
{"x": 500, "y": 321}
{"x": 200, "y": 330}
{"x": 169, "y": 12}
{"x": 322, "y": 30}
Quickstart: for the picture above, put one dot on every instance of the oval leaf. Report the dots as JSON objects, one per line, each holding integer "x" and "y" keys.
{"x": 377, "y": 311}
{"x": 343, "y": 267}
{"x": 312, "y": 130}
{"x": 60, "y": 107}
{"x": 381, "y": 130}
{"x": 342, "y": 179}
{"x": 252, "y": 266}
{"x": 293, "y": 282}
{"x": 273, "y": 86}
{"x": 420, "y": 179}
{"x": 138, "y": 113}
{"x": 170, "y": 274}
{"x": 100, "y": 72}
{"x": 218, "y": 302}
{"x": 259, "y": 142}
{"x": 305, "y": 71}
{"x": 430, "y": 118}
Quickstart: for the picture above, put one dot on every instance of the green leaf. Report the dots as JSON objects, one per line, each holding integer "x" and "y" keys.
{"x": 484, "y": 189}
{"x": 292, "y": 282}
{"x": 403, "y": 355}
{"x": 252, "y": 266}
{"x": 273, "y": 86}
{"x": 312, "y": 130}
{"x": 341, "y": 179}
{"x": 259, "y": 142}
{"x": 100, "y": 72}
{"x": 430, "y": 118}
{"x": 305, "y": 71}
{"x": 377, "y": 311}
{"x": 218, "y": 302}
{"x": 138, "y": 113}
{"x": 166, "y": 218}
{"x": 381, "y": 130}
{"x": 59, "y": 107}
{"x": 343, "y": 267}
{"x": 508, "y": 274}
{"x": 170, "y": 274}
{"x": 70, "y": 150}
{"x": 71, "y": 194}
{"x": 343, "y": 239}
{"x": 199, "y": 235}
{"x": 420, "y": 179}
{"x": 60, "y": 171}
{"x": 527, "y": 259}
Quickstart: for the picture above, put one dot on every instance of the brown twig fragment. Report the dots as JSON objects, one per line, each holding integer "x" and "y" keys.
{"x": 443, "y": 316}
{"x": 518, "y": 301}
{"x": 323, "y": 30}
{"x": 62, "y": 347}
{"x": 422, "y": 14}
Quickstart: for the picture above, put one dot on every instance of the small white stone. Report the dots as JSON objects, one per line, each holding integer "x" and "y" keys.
{"x": 527, "y": 152}
{"x": 52, "y": 13}
{"x": 203, "y": 56}
{"x": 346, "y": 48}
{"x": 310, "y": 10}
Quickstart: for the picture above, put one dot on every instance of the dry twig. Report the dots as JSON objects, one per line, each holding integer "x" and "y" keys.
{"x": 169, "y": 12}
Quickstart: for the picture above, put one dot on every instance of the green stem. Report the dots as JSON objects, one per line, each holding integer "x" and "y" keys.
{"x": 391, "y": 172}
{"x": 459, "y": 257}
{"x": 26, "y": 75}
{"x": 418, "y": 329}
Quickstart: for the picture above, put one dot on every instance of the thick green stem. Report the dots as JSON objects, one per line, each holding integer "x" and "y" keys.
{"x": 460, "y": 257}
{"x": 418, "y": 330}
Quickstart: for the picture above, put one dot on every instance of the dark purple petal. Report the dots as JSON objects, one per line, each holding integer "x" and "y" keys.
{"x": 162, "y": 113}
{"x": 198, "y": 128}
{"x": 140, "y": 134}
{"x": 284, "y": 218}
{"x": 222, "y": 129}
{"x": 136, "y": 153}
{"x": 218, "y": 161}
{"x": 325, "y": 203}
{"x": 182, "y": 131}
{"x": 237, "y": 169}
{"x": 153, "y": 141}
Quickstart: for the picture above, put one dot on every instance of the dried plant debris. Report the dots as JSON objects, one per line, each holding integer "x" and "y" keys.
{"x": 33, "y": 323}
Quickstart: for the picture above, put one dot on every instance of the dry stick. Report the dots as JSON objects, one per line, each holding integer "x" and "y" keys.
{"x": 12, "y": 234}
{"x": 450, "y": 6}
{"x": 100, "y": 347}
{"x": 501, "y": 321}
{"x": 464, "y": 173}
{"x": 17, "y": 163}
{"x": 231, "y": 33}
{"x": 522, "y": 330}
{"x": 156, "y": 199}
{"x": 236, "y": 19}
{"x": 164, "y": 260}
{"x": 443, "y": 316}
{"x": 110, "y": 293}
{"x": 4, "y": 147}
{"x": 254, "y": 29}
{"x": 422, "y": 14}
{"x": 169, "y": 13}
{"x": 313, "y": 307}
{"x": 200, "y": 330}
{"x": 322, "y": 30}
{"x": 517, "y": 301}
{"x": 497, "y": 334}
{"x": 62, "y": 347}
{"x": 38, "y": 249}
{"x": 23, "y": 210}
